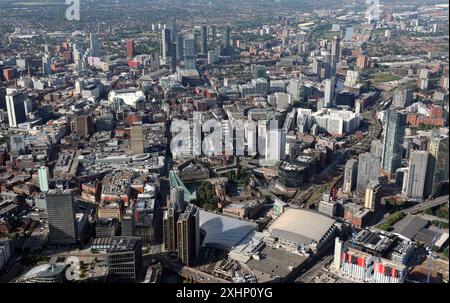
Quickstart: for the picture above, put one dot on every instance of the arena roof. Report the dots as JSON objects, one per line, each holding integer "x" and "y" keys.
{"x": 223, "y": 232}
{"x": 301, "y": 226}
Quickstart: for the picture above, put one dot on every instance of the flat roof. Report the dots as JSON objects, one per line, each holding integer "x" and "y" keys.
{"x": 119, "y": 244}
{"x": 275, "y": 262}
{"x": 409, "y": 226}
{"x": 301, "y": 226}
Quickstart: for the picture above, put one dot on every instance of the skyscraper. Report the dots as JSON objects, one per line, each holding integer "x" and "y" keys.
{"x": 368, "y": 170}
{"x": 204, "y": 45}
{"x": 335, "y": 53}
{"x": 190, "y": 54}
{"x": 213, "y": 36}
{"x": 15, "y": 107}
{"x": 275, "y": 145}
{"x": 165, "y": 43}
{"x": 177, "y": 198}
{"x": 173, "y": 56}
{"x": 46, "y": 65}
{"x": 329, "y": 92}
{"x": 173, "y": 31}
{"x": 226, "y": 41}
{"x": 169, "y": 229}
{"x": 188, "y": 235}
{"x": 350, "y": 175}
{"x": 94, "y": 45}
{"x": 180, "y": 48}
{"x": 61, "y": 217}
{"x": 130, "y": 48}
{"x": 394, "y": 134}
{"x": 43, "y": 176}
{"x": 415, "y": 176}
{"x": 438, "y": 164}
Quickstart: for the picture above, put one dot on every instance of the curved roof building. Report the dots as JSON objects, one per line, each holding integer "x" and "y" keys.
{"x": 223, "y": 232}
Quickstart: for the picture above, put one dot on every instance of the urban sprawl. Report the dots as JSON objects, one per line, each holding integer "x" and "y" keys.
{"x": 208, "y": 141}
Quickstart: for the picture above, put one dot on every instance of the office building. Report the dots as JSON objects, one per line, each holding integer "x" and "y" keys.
{"x": 177, "y": 198}
{"x": 372, "y": 198}
{"x": 188, "y": 235}
{"x": 128, "y": 223}
{"x": 328, "y": 99}
{"x": 190, "y": 54}
{"x": 204, "y": 44}
{"x": 46, "y": 65}
{"x": 165, "y": 43}
{"x": 43, "y": 176}
{"x": 394, "y": 134}
{"x": 226, "y": 41}
{"x": 173, "y": 30}
{"x": 275, "y": 145}
{"x": 124, "y": 258}
{"x": 213, "y": 37}
{"x": 402, "y": 98}
{"x": 94, "y": 45}
{"x": 137, "y": 139}
{"x": 61, "y": 217}
{"x": 438, "y": 165}
{"x": 15, "y": 106}
{"x": 180, "y": 47}
{"x": 368, "y": 170}
{"x": 415, "y": 176}
{"x": 170, "y": 229}
{"x": 335, "y": 54}
{"x": 350, "y": 175}
{"x": 173, "y": 57}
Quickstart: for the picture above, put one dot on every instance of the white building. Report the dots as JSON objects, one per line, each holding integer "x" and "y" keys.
{"x": 128, "y": 96}
{"x": 275, "y": 145}
{"x": 336, "y": 122}
{"x": 352, "y": 78}
{"x": 43, "y": 178}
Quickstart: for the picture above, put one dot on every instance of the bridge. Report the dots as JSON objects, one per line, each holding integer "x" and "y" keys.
{"x": 427, "y": 204}
{"x": 420, "y": 207}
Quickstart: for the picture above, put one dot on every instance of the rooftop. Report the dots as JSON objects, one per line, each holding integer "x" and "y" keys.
{"x": 224, "y": 232}
{"x": 122, "y": 244}
{"x": 301, "y": 226}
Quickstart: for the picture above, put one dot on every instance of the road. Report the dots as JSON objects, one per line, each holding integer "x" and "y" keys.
{"x": 427, "y": 204}
{"x": 420, "y": 207}
{"x": 312, "y": 272}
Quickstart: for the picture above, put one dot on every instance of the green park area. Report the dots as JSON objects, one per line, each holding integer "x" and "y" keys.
{"x": 383, "y": 77}
{"x": 391, "y": 220}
